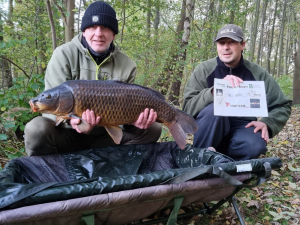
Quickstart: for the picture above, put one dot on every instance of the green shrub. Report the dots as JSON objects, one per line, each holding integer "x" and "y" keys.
{"x": 286, "y": 85}
{"x": 15, "y": 111}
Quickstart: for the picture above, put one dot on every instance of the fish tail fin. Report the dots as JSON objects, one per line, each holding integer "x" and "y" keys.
{"x": 184, "y": 124}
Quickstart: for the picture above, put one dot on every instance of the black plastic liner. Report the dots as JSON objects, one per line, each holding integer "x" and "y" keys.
{"x": 40, "y": 179}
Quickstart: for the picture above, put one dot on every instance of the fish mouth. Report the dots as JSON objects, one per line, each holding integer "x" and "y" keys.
{"x": 33, "y": 106}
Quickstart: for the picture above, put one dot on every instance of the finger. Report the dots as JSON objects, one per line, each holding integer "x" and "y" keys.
{"x": 145, "y": 118}
{"x": 140, "y": 119}
{"x": 84, "y": 116}
{"x": 97, "y": 120}
{"x": 74, "y": 122}
{"x": 249, "y": 125}
{"x": 230, "y": 79}
{"x": 87, "y": 114}
{"x": 236, "y": 81}
{"x": 232, "y": 83}
{"x": 266, "y": 135}
{"x": 150, "y": 117}
{"x": 240, "y": 80}
{"x": 263, "y": 133}
{"x": 257, "y": 129}
{"x": 92, "y": 118}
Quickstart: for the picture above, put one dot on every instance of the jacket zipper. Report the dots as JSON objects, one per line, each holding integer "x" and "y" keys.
{"x": 98, "y": 67}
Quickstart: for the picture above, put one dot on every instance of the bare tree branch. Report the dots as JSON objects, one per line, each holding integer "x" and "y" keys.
{"x": 63, "y": 15}
{"x": 52, "y": 24}
{"x": 3, "y": 57}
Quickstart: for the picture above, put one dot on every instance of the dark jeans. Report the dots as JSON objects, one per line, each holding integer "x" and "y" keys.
{"x": 228, "y": 135}
{"x": 42, "y": 137}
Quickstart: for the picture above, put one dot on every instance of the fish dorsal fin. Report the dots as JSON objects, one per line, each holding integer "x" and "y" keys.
{"x": 157, "y": 93}
{"x": 115, "y": 132}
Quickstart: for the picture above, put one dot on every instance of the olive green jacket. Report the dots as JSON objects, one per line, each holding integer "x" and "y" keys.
{"x": 72, "y": 61}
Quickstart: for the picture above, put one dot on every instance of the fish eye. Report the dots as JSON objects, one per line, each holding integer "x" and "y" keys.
{"x": 48, "y": 96}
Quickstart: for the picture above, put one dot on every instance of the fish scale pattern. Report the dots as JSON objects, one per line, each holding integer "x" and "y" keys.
{"x": 119, "y": 103}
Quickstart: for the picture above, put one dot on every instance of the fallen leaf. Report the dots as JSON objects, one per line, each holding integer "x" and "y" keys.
{"x": 295, "y": 202}
{"x": 268, "y": 194}
{"x": 292, "y": 186}
{"x": 253, "y": 203}
{"x": 275, "y": 173}
{"x": 276, "y": 184}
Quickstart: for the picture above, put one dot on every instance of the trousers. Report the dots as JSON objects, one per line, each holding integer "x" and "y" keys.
{"x": 42, "y": 137}
{"x": 228, "y": 135}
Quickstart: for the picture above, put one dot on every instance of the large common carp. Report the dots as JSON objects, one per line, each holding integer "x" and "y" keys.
{"x": 116, "y": 103}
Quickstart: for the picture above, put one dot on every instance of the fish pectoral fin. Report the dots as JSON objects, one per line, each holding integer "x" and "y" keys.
{"x": 58, "y": 120}
{"x": 74, "y": 116}
{"x": 115, "y": 132}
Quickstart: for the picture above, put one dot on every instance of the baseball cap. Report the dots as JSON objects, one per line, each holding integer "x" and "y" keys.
{"x": 230, "y": 31}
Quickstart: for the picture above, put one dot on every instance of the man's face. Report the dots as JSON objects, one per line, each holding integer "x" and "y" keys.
{"x": 230, "y": 51}
{"x": 99, "y": 37}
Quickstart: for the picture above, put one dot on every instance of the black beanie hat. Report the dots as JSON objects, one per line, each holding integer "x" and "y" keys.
{"x": 100, "y": 13}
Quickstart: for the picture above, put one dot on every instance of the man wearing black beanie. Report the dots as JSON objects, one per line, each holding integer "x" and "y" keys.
{"x": 91, "y": 55}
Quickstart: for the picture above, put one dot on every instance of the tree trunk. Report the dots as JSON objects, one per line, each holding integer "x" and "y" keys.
{"x": 296, "y": 79}
{"x": 175, "y": 88}
{"x": 124, "y": 19}
{"x": 69, "y": 29}
{"x": 275, "y": 58}
{"x": 245, "y": 20}
{"x": 163, "y": 80}
{"x": 205, "y": 22}
{"x": 5, "y": 68}
{"x": 254, "y": 31}
{"x": 208, "y": 42}
{"x": 271, "y": 39}
{"x": 263, "y": 19}
{"x": 155, "y": 26}
{"x": 287, "y": 44}
{"x": 232, "y": 10}
{"x": 282, "y": 27}
{"x": 52, "y": 24}
{"x": 147, "y": 42}
{"x": 67, "y": 20}
{"x": 78, "y": 19}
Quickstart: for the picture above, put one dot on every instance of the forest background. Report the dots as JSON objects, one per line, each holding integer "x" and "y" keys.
{"x": 166, "y": 38}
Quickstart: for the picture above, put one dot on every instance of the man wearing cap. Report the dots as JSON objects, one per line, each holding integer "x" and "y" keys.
{"x": 91, "y": 55}
{"x": 241, "y": 138}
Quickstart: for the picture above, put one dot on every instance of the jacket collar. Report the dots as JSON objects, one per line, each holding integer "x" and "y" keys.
{"x": 240, "y": 65}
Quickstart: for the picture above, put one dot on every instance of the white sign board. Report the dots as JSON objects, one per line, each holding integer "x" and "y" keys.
{"x": 246, "y": 100}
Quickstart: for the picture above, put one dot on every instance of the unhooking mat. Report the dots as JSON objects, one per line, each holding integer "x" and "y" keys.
{"x": 117, "y": 185}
